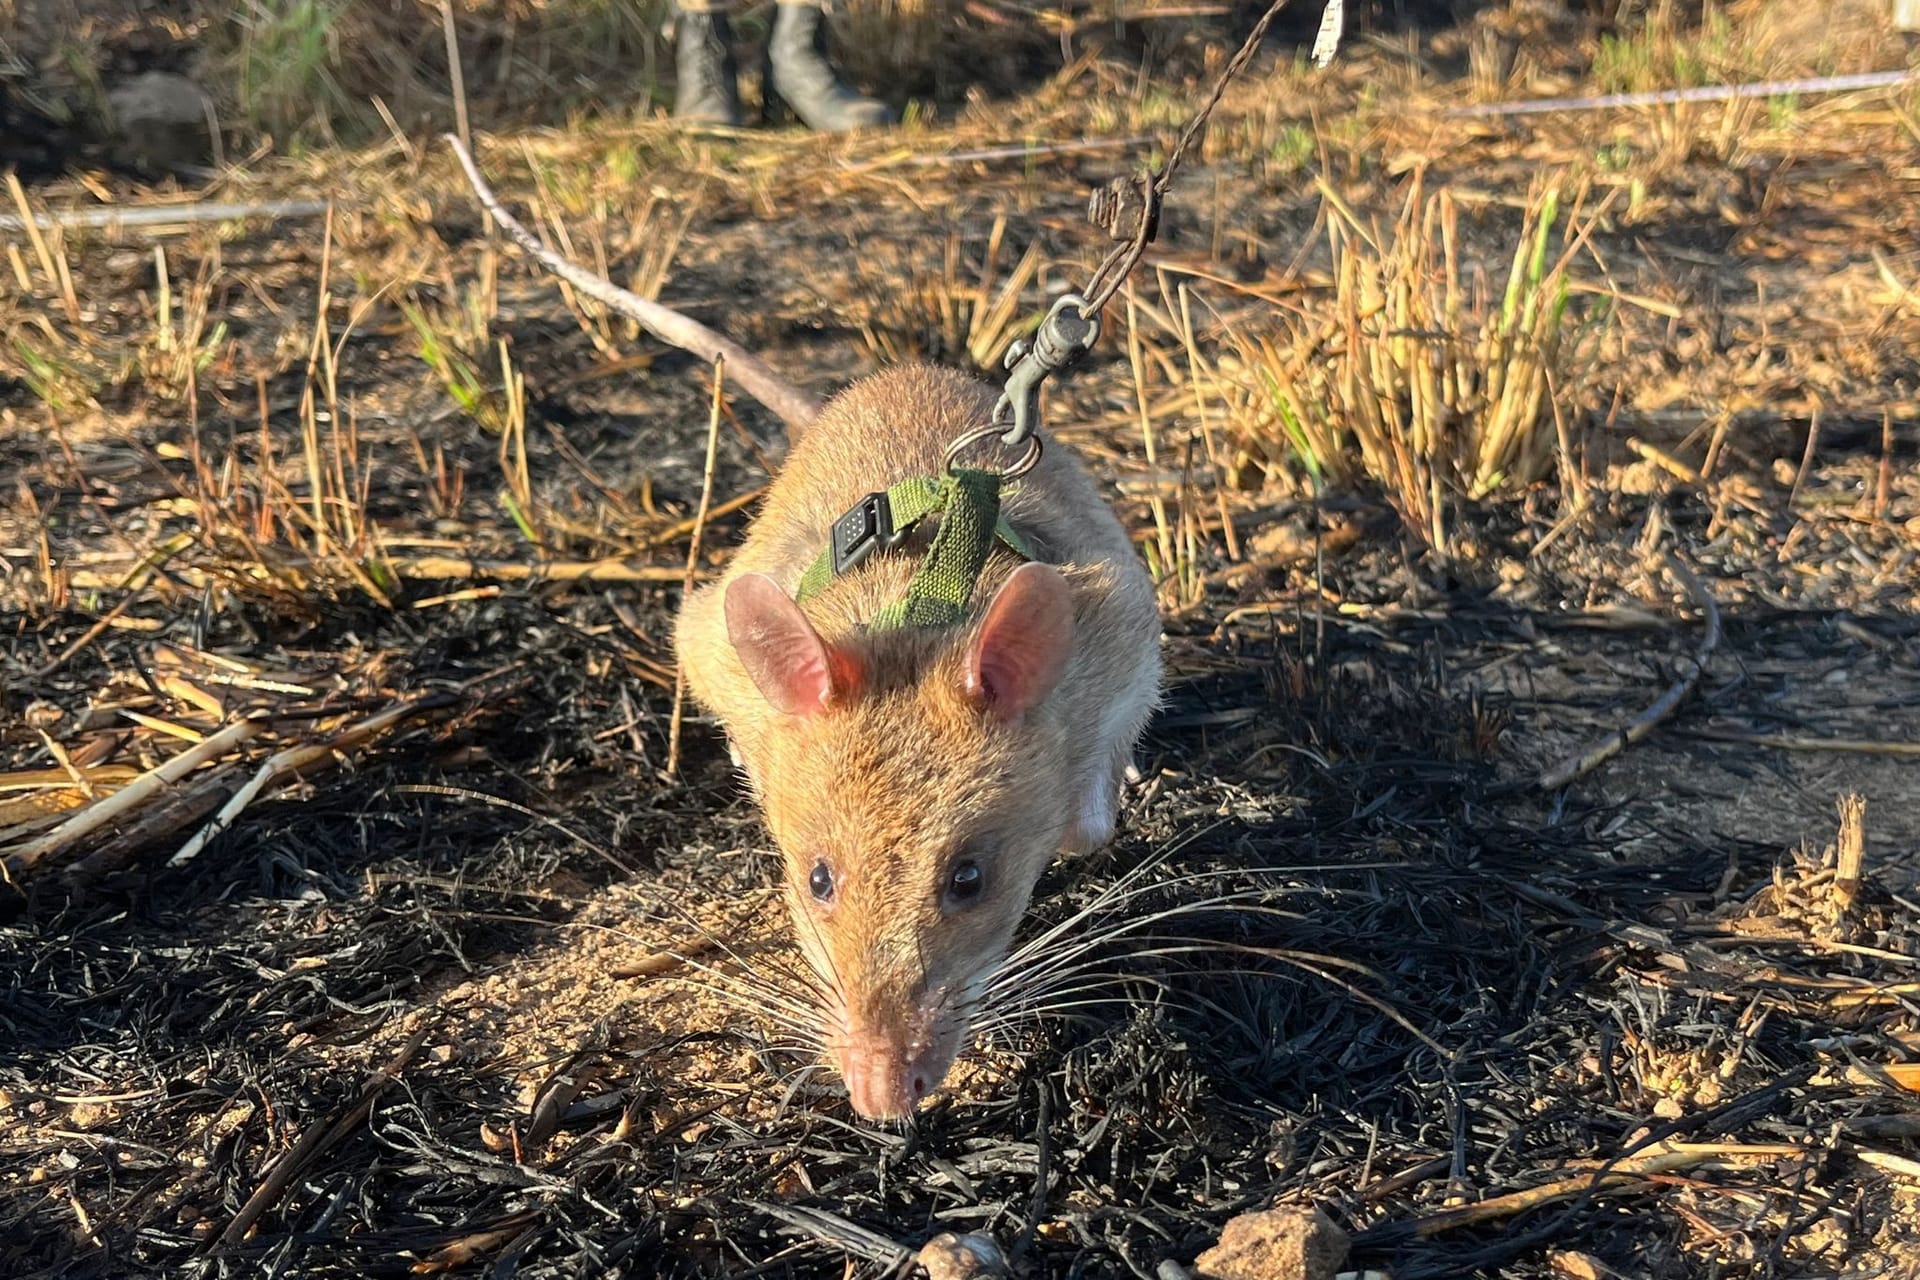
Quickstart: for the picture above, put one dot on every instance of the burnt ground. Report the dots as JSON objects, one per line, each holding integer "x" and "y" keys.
{"x": 1368, "y": 966}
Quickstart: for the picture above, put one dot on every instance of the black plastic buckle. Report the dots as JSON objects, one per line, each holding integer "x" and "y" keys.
{"x": 865, "y": 528}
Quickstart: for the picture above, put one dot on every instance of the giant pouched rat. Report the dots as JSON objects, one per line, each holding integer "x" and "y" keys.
{"x": 917, "y": 779}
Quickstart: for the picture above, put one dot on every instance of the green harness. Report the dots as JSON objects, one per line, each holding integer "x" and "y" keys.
{"x": 968, "y": 504}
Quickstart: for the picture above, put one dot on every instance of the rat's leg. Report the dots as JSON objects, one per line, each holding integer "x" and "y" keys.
{"x": 1099, "y": 813}
{"x": 1093, "y": 821}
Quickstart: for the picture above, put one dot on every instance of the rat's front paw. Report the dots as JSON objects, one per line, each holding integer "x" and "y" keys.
{"x": 1094, "y": 824}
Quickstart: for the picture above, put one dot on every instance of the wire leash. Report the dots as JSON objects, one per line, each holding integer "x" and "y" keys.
{"x": 1128, "y": 210}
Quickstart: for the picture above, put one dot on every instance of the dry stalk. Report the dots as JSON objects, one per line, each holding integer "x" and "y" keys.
{"x": 1619, "y": 1176}
{"x": 693, "y": 558}
{"x": 1199, "y": 376}
{"x": 150, "y": 785}
{"x": 1663, "y": 706}
{"x": 131, "y": 587}
{"x": 1794, "y": 742}
{"x": 1850, "y": 852}
{"x": 316, "y": 1140}
{"x": 455, "y": 73}
{"x": 1164, "y": 558}
{"x": 52, "y": 265}
{"x": 430, "y": 568}
{"x": 292, "y": 761}
{"x": 791, "y": 405}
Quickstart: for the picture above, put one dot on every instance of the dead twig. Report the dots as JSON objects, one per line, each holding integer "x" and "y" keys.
{"x": 788, "y": 403}
{"x": 693, "y": 560}
{"x": 316, "y": 1140}
{"x": 1624, "y": 1175}
{"x": 294, "y": 759}
{"x": 123, "y": 802}
{"x": 1663, "y": 706}
{"x": 1793, "y": 742}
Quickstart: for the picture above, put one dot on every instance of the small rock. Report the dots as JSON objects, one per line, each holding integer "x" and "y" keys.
{"x": 962, "y": 1257}
{"x": 1571, "y": 1264}
{"x": 1276, "y": 1244}
{"x": 160, "y": 121}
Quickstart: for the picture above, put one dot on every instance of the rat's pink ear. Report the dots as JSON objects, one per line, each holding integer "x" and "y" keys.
{"x": 1023, "y": 643}
{"x": 796, "y": 671}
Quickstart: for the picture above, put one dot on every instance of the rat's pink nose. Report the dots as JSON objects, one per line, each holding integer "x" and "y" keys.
{"x": 885, "y": 1081}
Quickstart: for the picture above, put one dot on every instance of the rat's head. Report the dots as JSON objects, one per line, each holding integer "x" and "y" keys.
{"x": 916, "y": 788}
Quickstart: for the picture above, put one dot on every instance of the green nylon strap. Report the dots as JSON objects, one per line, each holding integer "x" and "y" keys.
{"x": 968, "y": 503}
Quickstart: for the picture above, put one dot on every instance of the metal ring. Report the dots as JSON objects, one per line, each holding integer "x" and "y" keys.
{"x": 992, "y": 432}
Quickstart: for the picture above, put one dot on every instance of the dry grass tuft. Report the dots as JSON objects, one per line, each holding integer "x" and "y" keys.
{"x": 1421, "y": 373}
{"x": 953, "y": 310}
{"x": 181, "y": 344}
{"x": 68, "y": 360}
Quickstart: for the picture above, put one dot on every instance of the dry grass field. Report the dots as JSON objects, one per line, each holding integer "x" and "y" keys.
{"x": 367, "y": 907}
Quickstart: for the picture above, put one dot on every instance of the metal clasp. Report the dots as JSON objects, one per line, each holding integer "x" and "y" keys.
{"x": 1063, "y": 338}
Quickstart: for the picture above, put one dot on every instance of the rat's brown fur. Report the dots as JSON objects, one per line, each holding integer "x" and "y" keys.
{"x": 904, "y": 769}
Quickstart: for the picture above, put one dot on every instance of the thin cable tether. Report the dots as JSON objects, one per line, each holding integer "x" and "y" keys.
{"x": 1110, "y": 205}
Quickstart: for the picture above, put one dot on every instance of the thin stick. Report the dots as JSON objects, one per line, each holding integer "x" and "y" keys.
{"x": 1158, "y": 506}
{"x": 92, "y": 633}
{"x": 167, "y": 215}
{"x": 609, "y": 570}
{"x": 135, "y": 583}
{"x": 450, "y": 568}
{"x": 693, "y": 560}
{"x": 454, "y": 72}
{"x": 1665, "y": 461}
{"x": 1668, "y": 1158}
{"x": 1806, "y": 459}
{"x": 130, "y": 797}
{"x": 309, "y": 426}
{"x": 726, "y": 508}
{"x": 1663, "y": 706}
{"x": 316, "y": 1140}
{"x": 787, "y": 402}
{"x": 1020, "y": 151}
{"x": 1704, "y": 93}
{"x": 289, "y": 761}
{"x": 1883, "y": 486}
{"x": 1791, "y": 742}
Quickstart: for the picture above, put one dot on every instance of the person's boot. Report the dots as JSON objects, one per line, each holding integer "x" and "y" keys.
{"x": 799, "y": 75}
{"x": 707, "y": 89}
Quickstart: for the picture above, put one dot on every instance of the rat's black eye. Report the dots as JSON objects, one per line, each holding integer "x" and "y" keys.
{"x": 965, "y": 882}
{"x": 821, "y": 882}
